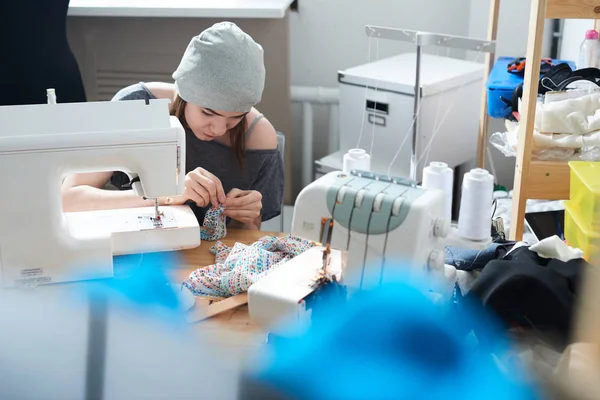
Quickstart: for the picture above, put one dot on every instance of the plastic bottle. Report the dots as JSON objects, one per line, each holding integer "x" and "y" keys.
{"x": 588, "y": 51}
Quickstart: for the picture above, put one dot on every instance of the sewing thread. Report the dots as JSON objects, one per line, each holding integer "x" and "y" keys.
{"x": 474, "y": 220}
{"x": 362, "y": 124}
{"x": 427, "y": 149}
{"x": 375, "y": 105}
{"x": 437, "y": 175}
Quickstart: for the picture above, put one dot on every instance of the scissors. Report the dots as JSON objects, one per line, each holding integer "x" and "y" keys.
{"x": 517, "y": 66}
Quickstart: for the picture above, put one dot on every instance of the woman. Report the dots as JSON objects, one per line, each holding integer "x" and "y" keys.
{"x": 231, "y": 149}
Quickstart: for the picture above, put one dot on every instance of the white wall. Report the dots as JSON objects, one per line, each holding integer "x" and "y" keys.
{"x": 513, "y": 26}
{"x": 573, "y": 31}
{"x": 328, "y": 35}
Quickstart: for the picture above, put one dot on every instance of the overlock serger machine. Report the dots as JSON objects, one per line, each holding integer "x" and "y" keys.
{"x": 371, "y": 228}
{"x": 380, "y": 221}
{"x": 41, "y": 144}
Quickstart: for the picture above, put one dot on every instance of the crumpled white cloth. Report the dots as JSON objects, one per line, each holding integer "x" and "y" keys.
{"x": 551, "y": 140}
{"x": 554, "y": 247}
{"x": 561, "y": 127}
{"x": 566, "y": 141}
{"x": 546, "y": 146}
{"x": 578, "y": 116}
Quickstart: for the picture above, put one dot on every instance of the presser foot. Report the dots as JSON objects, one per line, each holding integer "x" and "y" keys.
{"x": 150, "y": 221}
{"x": 157, "y": 219}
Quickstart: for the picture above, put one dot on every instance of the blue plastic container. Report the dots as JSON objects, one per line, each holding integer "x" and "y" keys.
{"x": 501, "y": 83}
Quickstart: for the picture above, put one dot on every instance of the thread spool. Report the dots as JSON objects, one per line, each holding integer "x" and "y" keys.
{"x": 437, "y": 175}
{"x": 501, "y": 194}
{"x": 474, "y": 220}
{"x": 356, "y": 159}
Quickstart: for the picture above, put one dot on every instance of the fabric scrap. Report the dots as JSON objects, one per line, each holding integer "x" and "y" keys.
{"x": 237, "y": 268}
{"x": 531, "y": 292}
{"x": 554, "y": 247}
{"x": 215, "y": 224}
{"x": 472, "y": 260}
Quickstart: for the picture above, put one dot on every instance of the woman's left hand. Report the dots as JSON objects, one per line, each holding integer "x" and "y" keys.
{"x": 243, "y": 205}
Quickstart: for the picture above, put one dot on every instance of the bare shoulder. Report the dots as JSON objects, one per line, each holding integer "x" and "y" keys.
{"x": 263, "y": 136}
{"x": 161, "y": 90}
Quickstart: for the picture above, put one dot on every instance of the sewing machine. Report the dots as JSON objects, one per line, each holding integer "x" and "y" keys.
{"x": 372, "y": 228}
{"x": 41, "y": 144}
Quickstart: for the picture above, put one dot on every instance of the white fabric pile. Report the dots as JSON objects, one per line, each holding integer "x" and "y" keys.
{"x": 568, "y": 122}
{"x": 566, "y": 127}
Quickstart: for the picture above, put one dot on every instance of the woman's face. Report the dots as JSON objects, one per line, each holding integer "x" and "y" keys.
{"x": 208, "y": 124}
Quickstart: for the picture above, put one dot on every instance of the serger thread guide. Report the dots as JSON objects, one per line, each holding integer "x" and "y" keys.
{"x": 421, "y": 39}
{"x": 41, "y": 144}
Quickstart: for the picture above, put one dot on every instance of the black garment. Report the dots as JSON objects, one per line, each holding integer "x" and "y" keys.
{"x": 557, "y": 78}
{"x": 35, "y": 54}
{"x": 529, "y": 291}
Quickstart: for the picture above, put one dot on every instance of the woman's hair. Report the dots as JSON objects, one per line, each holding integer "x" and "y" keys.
{"x": 236, "y": 134}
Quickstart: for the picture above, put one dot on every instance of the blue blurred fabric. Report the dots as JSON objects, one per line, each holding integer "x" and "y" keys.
{"x": 392, "y": 343}
{"x": 140, "y": 281}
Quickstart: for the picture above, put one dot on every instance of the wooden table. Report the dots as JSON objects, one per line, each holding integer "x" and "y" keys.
{"x": 231, "y": 328}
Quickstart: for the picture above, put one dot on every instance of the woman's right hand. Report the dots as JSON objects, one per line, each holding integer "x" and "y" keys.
{"x": 201, "y": 187}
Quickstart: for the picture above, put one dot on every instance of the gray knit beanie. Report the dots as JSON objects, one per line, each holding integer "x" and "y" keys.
{"x": 222, "y": 69}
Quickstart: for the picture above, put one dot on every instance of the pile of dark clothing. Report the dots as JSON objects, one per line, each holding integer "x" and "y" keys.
{"x": 529, "y": 293}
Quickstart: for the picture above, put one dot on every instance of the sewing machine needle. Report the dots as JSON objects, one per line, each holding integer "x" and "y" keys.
{"x": 327, "y": 229}
{"x": 156, "y": 213}
{"x": 326, "y": 254}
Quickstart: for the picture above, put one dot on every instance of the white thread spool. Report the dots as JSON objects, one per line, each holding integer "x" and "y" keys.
{"x": 474, "y": 220}
{"x": 51, "y": 94}
{"x": 356, "y": 159}
{"x": 437, "y": 175}
{"x": 501, "y": 194}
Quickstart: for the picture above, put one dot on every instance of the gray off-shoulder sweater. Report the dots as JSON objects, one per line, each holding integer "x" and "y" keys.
{"x": 262, "y": 171}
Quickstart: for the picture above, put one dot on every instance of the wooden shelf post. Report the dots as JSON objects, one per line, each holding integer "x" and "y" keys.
{"x": 525, "y": 139}
{"x": 550, "y": 180}
{"x": 541, "y": 180}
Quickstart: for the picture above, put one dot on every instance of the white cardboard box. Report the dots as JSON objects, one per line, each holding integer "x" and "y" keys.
{"x": 383, "y": 91}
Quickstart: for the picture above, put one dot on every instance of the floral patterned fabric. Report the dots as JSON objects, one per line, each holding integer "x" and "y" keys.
{"x": 215, "y": 224}
{"x": 237, "y": 268}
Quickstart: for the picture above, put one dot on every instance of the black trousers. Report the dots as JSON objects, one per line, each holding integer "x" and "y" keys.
{"x": 35, "y": 54}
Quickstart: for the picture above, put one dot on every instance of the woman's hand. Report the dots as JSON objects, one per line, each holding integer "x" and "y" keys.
{"x": 243, "y": 206}
{"x": 201, "y": 187}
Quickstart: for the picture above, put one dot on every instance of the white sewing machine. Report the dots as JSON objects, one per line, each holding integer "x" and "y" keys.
{"x": 41, "y": 144}
{"x": 375, "y": 228}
